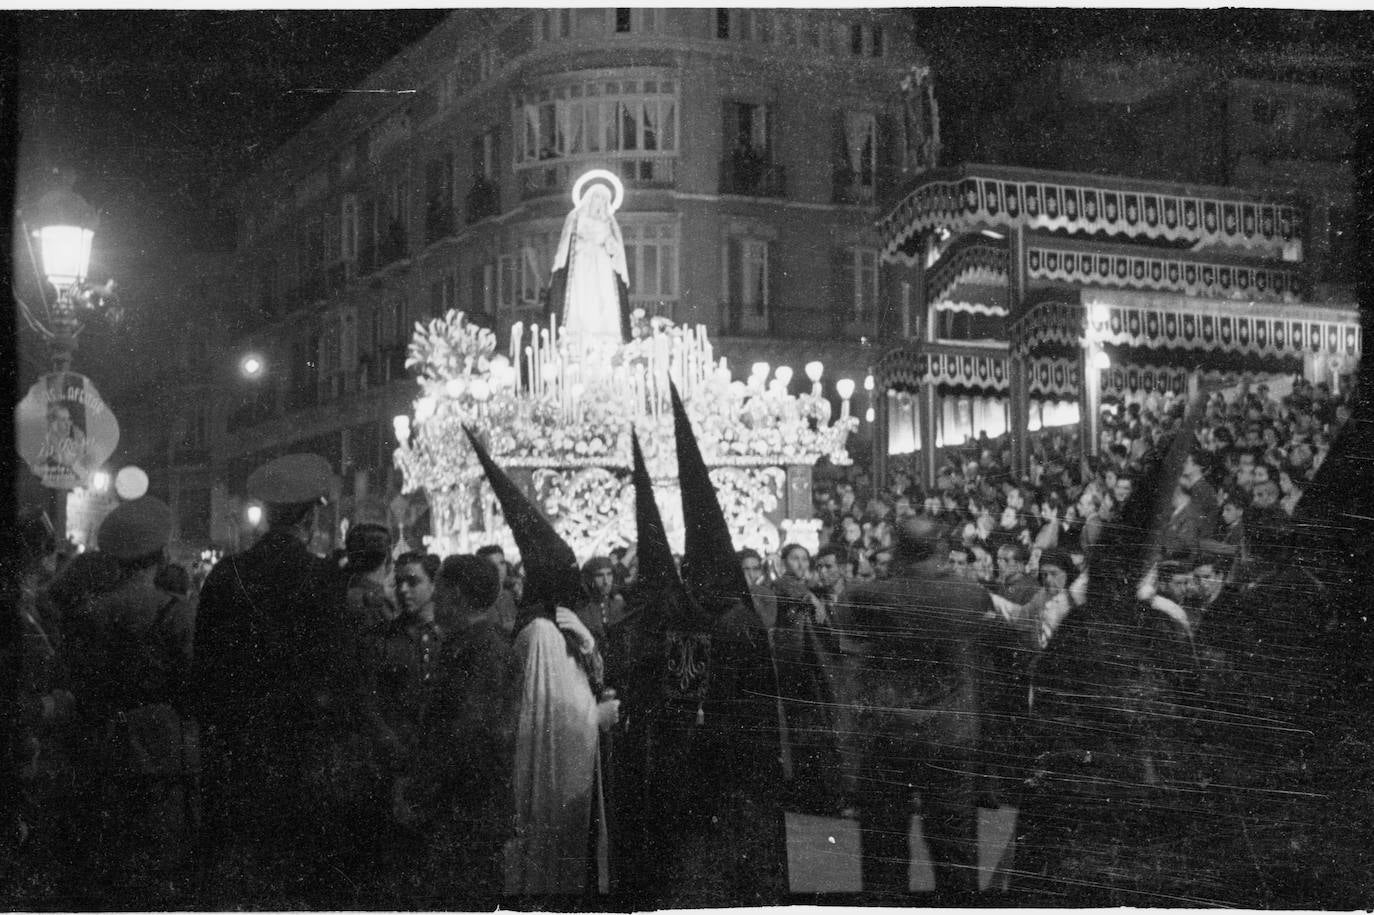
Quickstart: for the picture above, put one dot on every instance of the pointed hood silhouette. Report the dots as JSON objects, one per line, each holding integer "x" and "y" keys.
{"x": 657, "y": 571}
{"x": 552, "y": 576}
{"x": 710, "y": 569}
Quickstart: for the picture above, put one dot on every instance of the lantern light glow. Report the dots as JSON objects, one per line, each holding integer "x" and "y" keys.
{"x": 66, "y": 252}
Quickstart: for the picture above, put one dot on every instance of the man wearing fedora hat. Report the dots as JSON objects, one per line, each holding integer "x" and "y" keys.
{"x": 267, "y": 664}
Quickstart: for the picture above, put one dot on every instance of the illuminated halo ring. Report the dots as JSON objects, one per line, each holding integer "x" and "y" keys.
{"x": 600, "y": 174}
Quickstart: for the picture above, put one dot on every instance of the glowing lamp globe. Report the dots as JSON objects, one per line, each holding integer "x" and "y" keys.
{"x": 252, "y": 365}
{"x": 253, "y": 515}
{"x": 100, "y": 480}
{"x": 845, "y": 388}
{"x": 760, "y": 369}
{"x": 814, "y": 371}
{"x": 65, "y": 230}
{"x": 1101, "y": 361}
{"x": 131, "y": 483}
{"x": 784, "y": 374}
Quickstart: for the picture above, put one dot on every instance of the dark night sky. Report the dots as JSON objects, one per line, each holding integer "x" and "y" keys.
{"x": 155, "y": 111}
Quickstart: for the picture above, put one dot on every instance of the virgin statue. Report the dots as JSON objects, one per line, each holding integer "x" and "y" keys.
{"x": 590, "y": 286}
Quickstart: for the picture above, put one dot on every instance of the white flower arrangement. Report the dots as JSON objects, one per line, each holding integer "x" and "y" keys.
{"x": 578, "y": 421}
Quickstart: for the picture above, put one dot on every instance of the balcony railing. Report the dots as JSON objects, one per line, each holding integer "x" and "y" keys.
{"x": 751, "y": 176}
{"x": 389, "y": 247}
{"x": 850, "y": 187}
{"x": 483, "y": 201}
{"x": 556, "y": 176}
{"x": 439, "y": 223}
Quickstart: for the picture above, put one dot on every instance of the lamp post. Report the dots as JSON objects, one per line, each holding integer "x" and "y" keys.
{"x": 63, "y": 224}
{"x": 66, "y": 229}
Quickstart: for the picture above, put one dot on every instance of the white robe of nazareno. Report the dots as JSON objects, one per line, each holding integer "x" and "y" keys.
{"x": 556, "y": 770}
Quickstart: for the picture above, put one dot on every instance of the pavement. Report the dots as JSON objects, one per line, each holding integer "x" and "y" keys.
{"x": 823, "y": 852}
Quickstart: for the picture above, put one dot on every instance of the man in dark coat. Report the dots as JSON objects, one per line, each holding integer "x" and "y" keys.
{"x": 268, "y": 649}
{"x": 465, "y": 759}
{"x": 916, "y": 704}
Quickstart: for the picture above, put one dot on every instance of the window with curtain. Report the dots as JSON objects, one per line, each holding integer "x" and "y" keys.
{"x": 651, "y": 256}
{"x": 627, "y": 125}
{"x": 745, "y": 284}
{"x": 855, "y": 157}
{"x": 855, "y": 288}
{"x": 612, "y": 116}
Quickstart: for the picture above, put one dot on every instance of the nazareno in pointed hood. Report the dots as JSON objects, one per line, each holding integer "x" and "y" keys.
{"x": 710, "y": 569}
{"x": 657, "y": 570}
{"x": 552, "y": 577}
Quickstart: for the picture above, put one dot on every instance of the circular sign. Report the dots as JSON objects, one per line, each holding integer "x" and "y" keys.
{"x": 131, "y": 483}
{"x": 64, "y": 430}
{"x": 600, "y": 174}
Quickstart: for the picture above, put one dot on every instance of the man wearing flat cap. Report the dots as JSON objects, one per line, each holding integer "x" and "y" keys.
{"x": 131, "y": 654}
{"x": 270, "y": 632}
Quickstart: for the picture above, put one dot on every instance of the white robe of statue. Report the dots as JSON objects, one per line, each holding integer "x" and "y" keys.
{"x": 594, "y": 254}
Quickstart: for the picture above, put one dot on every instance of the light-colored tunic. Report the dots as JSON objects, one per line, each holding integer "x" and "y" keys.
{"x": 556, "y": 768}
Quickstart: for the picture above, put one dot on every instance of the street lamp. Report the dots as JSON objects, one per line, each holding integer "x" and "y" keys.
{"x": 251, "y": 366}
{"x": 60, "y": 230}
{"x": 65, "y": 230}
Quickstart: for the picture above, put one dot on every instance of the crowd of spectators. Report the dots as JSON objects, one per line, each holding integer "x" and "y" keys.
{"x": 1026, "y": 537}
{"x": 1255, "y": 454}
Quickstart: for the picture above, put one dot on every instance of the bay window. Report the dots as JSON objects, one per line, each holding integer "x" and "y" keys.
{"x": 627, "y": 125}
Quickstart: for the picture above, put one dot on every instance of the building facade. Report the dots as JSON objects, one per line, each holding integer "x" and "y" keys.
{"x": 756, "y": 146}
{"x": 1141, "y": 219}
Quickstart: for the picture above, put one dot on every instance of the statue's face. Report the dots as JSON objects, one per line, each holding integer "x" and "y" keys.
{"x": 599, "y": 202}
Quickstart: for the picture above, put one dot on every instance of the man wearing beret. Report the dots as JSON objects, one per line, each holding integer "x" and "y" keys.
{"x": 131, "y": 653}
{"x": 270, "y": 631}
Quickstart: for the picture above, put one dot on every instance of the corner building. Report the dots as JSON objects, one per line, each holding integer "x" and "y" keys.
{"x": 757, "y": 147}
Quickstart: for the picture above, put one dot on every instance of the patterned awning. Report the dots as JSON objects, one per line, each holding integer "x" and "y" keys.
{"x": 1181, "y": 274}
{"x": 980, "y": 264}
{"x": 1188, "y": 324}
{"x": 973, "y": 308}
{"x": 953, "y": 368}
{"x": 1251, "y": 335}
{"x": 981, "y": 196}
{"x": 1139, "y": 379}
{"x": 1053, "y": 323}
